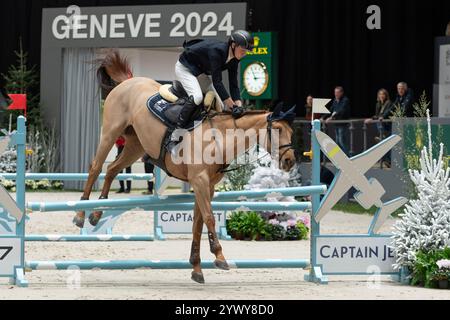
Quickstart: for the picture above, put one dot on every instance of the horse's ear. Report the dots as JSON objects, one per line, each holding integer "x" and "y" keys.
{"x": 277, "y": 109}
{"x": 291, "y": 110}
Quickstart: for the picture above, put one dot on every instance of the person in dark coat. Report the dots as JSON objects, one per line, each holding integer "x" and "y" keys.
{"x": 405, "y": 99}
{"x": 148, "y": 167}
{"x": 383, "y": 111}
{"x": 200, "y": 66}
{"x": 340, "y": 110}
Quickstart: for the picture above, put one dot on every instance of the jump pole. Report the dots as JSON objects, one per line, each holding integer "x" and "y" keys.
{"x": 84, "y": 236}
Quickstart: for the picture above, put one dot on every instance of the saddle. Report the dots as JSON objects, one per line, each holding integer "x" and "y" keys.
{"x": 166, "y": 105}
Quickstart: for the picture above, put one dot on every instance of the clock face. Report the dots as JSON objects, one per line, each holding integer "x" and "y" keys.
{"x": 256, "y": 78}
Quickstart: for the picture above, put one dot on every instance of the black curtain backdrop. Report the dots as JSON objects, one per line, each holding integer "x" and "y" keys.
{"x": 322, "y": 43}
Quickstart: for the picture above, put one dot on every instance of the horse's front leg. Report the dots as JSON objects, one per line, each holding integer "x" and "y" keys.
{"x": 194, "y": 259}
{"x": 202, "y": 184}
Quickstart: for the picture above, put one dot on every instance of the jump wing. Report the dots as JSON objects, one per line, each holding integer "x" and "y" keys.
{"x": 9, "y": 204}
{"x": 366, "y": 160}
{"x": 4, "y": 143}
{"x": 338, "y": 188}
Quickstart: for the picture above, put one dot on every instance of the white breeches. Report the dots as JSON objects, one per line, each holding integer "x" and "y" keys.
{"x": 195, "y": 86}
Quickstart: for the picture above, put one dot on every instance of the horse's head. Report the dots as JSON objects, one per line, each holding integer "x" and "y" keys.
{"x": 281, "y": 122}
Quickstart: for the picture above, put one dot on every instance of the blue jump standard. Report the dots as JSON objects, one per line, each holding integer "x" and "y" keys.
{"x": 88, "y": 237}
{"x": 162, "y": 264}
{"x": 75, "y": 176}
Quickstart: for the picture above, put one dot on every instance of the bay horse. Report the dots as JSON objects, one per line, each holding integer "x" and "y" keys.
{"x": 125, "y": 113}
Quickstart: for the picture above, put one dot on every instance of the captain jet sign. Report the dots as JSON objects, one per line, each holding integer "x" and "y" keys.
{"x": 152, "y": 22}
{"x": 181, "y": 221}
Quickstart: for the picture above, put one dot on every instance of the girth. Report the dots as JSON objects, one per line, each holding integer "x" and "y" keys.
{"x": 160, "y": 162}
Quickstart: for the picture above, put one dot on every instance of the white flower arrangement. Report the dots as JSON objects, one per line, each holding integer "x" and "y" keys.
{"x": 443, "y": 264}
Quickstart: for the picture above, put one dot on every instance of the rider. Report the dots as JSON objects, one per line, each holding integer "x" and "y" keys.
{"x": 200, "y": 67}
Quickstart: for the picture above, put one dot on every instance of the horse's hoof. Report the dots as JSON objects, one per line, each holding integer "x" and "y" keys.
{"x": 94, "y": 218}
{"x": 197, "y": 277}
{"x": 78, "y": 221}
{"x": 221, "y": 264}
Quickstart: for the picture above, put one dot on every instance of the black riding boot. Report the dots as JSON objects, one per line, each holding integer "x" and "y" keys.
{"x": 185, "y": 115}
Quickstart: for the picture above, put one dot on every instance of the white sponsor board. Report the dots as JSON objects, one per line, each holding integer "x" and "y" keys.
{"x": 444, "y": 80}
{"x": 181, "y": 221}
{"x": 354, "y": 254}
{"x": 10, "y": 249}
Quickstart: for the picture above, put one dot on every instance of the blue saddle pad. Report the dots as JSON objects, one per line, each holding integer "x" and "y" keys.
{"x": 168, "y": 112}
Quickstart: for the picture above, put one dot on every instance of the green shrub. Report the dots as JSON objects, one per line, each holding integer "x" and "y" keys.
{"x": 304, "y": 230}
{"x": 425, "y": 269}
{"x": 274, "y": 232}
{"x": 253, "y": 225}
{"x": 234, "y": 223}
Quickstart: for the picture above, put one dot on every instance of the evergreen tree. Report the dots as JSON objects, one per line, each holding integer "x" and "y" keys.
{"x": 425, "y": 223}
{"x": 25, "y": 80}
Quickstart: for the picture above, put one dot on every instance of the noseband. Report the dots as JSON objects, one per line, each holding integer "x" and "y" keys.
{"x": 288, "y": 146}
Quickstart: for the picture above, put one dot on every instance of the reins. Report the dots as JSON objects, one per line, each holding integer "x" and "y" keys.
{"x": 214, "y": 114}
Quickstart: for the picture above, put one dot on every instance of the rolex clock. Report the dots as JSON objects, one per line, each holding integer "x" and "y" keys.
{"x": 259, "y": 74}
{"x": 256, "y": 78}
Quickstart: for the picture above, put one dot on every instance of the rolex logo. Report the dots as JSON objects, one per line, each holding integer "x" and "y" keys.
{"x": 256, "y": 41}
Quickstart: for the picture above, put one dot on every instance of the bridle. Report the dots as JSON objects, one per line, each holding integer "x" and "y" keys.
{"x": 288, "y": 146}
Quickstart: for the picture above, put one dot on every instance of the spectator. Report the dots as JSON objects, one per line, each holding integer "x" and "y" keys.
{"x": 405, "y": 99}
{"x": 447, "y": 31}
{"x": 383, "y": 110}
{"x": 308, "y": 108}
{"x": 340, "y": 110}
{"x": 120, "y": 144}
{"x": 149, "y": 167}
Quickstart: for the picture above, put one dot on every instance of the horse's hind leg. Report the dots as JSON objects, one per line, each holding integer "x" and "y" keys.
{"x": 131, "y": 152}
{"x": 107, "y": 141}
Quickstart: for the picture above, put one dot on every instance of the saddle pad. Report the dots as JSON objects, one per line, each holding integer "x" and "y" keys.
{"x": 168, "y": 112}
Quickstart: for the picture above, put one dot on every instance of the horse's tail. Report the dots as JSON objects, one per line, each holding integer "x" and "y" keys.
{"x": 113, "y": 69}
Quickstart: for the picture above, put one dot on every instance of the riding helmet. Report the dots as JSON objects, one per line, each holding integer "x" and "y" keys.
{"x": 243, "y": 39}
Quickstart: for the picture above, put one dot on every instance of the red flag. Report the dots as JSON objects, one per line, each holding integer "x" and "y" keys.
{"x": 19, "y": 102}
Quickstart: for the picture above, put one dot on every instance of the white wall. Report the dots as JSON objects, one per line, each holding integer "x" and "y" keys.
{"x": 158, "y": 64}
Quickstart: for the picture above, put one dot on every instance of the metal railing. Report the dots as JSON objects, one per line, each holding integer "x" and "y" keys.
{"x": 360, "y": 134}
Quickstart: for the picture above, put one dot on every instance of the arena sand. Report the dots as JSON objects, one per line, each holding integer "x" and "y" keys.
{"x": 176, "y": 284}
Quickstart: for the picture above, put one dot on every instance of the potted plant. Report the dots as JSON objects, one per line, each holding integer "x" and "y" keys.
{"x": 427, "y": 271}
{"x": 253, "y": 225}
{"x": 274, "y": 231}
{"x": 442, "y": 274}
{"x": 234, "y": 225}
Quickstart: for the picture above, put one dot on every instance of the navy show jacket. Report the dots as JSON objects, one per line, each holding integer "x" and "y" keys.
{"x": 210, "y": 57}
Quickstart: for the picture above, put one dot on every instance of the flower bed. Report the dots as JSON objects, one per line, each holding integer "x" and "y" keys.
{"x": 432, "y": 269}
{"x": 269, "y": 226}
{"x": 43, "y": 184}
